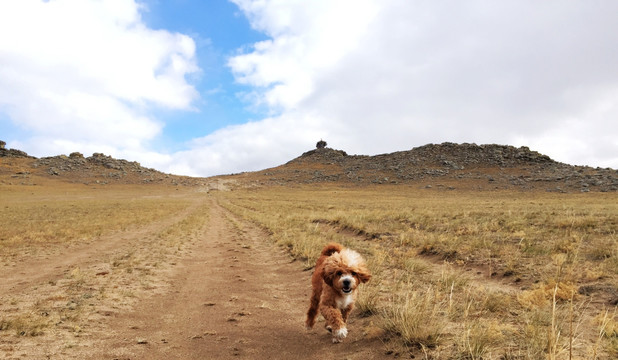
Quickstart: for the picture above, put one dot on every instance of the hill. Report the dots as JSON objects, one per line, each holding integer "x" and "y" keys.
{"x": 17, "y": 167}
{"x": 446, "y": 166}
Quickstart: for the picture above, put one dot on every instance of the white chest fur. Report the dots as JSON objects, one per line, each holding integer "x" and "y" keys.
{"x": 345, "y": 301}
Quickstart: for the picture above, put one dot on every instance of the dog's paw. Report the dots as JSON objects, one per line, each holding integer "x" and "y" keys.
{"x": 308, "y": 327}
{"x": 339, "y": 335}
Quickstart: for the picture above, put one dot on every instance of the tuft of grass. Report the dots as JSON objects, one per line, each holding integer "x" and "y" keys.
{"x": 607, "y": 323}
{"x": 25, "y": 324}
{"x": 418, "y": 318}
{"x": 544, "y": 294}
{"x": 368, "y": 299}
{"x": 416, "y": 266}
{"x": 497, "y": 302}
{"x": 478, "y": 339}
{"x": 451, "y": 279}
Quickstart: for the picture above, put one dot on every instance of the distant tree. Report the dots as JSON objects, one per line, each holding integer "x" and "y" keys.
{"x": 321, "y": 144}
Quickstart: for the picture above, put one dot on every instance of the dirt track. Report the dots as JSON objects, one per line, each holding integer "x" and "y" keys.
{"x": 230, "y": 294}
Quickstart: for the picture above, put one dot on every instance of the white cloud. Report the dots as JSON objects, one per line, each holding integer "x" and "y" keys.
{"x": 367, "y": 76}
{"x": 83, "y": 74}
{"x": 388, "y": 75}
{"x": 307, "y": 38}
{"x": 249, "y": 147}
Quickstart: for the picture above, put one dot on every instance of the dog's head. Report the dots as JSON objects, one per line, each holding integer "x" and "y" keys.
{"x": 345, "y": 270}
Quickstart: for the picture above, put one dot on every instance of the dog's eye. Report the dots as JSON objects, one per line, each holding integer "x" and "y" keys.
{"x": 339, "y": 273}
{"x": 353, "y": 273}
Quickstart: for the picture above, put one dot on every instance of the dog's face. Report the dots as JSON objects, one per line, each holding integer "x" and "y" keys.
{"x": 345, "y": 280}
{"x": 344, "y": 271}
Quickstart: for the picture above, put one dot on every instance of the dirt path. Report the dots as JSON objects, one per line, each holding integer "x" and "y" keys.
{"x": 230, "y": 294}
{"x": 235, "y": 297}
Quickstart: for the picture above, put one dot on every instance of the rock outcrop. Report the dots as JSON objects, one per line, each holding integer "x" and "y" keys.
{"x": 99, "y": 166}
{"x": 490, "y": 166}
{"x": 4, "y": 152}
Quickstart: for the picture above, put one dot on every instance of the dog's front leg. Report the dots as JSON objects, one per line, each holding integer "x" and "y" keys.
{"x": 334, "y": 323}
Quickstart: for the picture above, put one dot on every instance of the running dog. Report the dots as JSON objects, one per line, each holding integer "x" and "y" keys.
{"x": 337, "y": 274}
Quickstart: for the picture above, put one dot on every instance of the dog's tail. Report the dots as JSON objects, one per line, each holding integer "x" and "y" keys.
{"x": 331, "y": 249}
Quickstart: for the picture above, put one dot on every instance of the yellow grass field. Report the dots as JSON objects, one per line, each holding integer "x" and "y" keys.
{"x": 457, "y": 274}
{"x": 40, "y": 216}
{"x": 122, "y": 235}
{"x": 465, "y": 275}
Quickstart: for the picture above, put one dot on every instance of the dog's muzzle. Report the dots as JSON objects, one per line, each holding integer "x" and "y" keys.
{"x": 347, "y": 286}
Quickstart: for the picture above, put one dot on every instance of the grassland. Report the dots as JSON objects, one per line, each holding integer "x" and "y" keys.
{"x": 33, "y": 216}
{"x": 464, "y": 274}
{"x": 457, "y": 274}
{"x": 123, "y": 239}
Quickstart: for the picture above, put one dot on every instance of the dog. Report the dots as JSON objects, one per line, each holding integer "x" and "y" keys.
{"x": 337, "y": 274}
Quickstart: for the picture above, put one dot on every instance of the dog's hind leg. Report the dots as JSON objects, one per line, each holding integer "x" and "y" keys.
{"x": 312, "y": 313}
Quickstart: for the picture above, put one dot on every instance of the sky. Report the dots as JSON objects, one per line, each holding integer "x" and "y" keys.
{"x": 211, "y": 87}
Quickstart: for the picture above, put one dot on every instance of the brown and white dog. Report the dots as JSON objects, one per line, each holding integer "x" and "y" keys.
{"x": 337, "y": 274}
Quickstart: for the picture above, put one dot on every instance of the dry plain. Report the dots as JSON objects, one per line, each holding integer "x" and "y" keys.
{"x": 161, "y": 271}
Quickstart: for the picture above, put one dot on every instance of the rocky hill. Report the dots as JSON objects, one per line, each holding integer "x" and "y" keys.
{"x": 447, "y": 166}
{"x": 21, "y": 168}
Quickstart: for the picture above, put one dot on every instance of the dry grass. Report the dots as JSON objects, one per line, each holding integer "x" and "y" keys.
{"x": 457, "y": 274}
{"x": 41, "y": 223}
{"x": 42, "y": 217}
{"x": 416, "y": 316}
{"x": 493, "y": 273}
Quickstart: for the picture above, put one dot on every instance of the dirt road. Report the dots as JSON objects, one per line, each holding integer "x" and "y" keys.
{"x": 229, "y": 294}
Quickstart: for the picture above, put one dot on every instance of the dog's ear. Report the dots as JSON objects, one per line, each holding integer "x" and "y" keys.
{"x": 331, "y": 266}
{"x": 363, "y": 273}
{"x": 328, "y": 275}
{"x": 363, "y": 277}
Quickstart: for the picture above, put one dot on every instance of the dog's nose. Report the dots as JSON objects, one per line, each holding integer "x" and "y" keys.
{"x": 346, "y": 282}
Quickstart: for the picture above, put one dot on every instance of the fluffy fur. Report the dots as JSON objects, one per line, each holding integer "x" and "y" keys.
{"x": 338, "y": 272}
